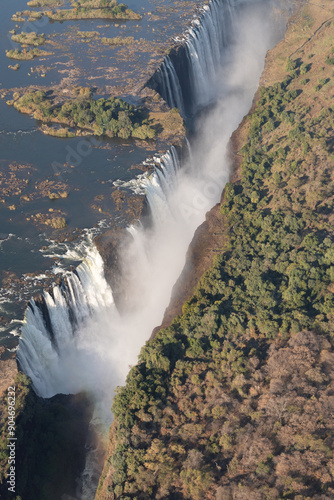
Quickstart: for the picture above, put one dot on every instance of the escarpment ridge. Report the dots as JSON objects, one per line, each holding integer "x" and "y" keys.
{"x": 224, "y": 401}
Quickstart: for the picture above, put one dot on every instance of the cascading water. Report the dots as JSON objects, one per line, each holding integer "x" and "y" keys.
{"x": 171, "y": 88}
{"x": 49, "y": 333}
{"x": 161, "y": 184}
{"x": 158, "y": 185}
{"x": 53, "y": 326}
{"x": 204, "y": 44}
{"x": 74, "y": 339}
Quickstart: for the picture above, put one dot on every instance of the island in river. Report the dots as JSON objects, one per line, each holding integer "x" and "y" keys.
{"x": 57, "y": 173}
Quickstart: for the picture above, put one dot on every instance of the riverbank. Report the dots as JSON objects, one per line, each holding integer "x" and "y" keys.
{"x": 44, "y": 200}
{"x": 43, "y": 161}
{"x": 78, "y": 113}
{"x": 229, "y": 398}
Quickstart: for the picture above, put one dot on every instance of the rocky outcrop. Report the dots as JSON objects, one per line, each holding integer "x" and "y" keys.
{"x": 110, "y": 246}
{"x": 51, "y": 438}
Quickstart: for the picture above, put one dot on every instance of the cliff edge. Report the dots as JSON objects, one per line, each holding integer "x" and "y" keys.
{"x": 234, "y": 398}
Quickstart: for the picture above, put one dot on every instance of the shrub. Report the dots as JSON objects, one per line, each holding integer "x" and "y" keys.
{"x": 112, "y": 117}
{"x": 304, "y": 68}
{"x": 144, "y": 132}
{"x": 290, "y": 64}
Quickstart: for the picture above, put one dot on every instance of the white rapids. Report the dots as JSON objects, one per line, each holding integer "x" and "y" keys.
{"x": 74, "y": 338}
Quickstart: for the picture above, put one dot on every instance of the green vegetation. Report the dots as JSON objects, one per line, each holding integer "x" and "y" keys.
{"x": 58, "y": 222}
{"x": 304, "y": 68}
{"x": 26, "y": 55}
{"x": 118, "y": 40}
{"x": 26, "y": 13}
{"x": 14, "y": 67}
{"x": 58, "y": 132}
{"x": 88, "y": 34}
{"x": 33, "y": 16}
{"x": 321, "y": 83}
{"x": 119, "y": 11}
{"x": 225, "y": 402}
{"x": 143, "y": 132}
{"x": 94, "y": 4}
{"x": 291, "y": 64}
{"x": 45, "y": 3}
{"x": 29, "y": 38}
{"x": 18, "y": 18}
{"x": 204, "y": 416}
{"x": 82, "y": 9}
{"x": 111, "y": 117}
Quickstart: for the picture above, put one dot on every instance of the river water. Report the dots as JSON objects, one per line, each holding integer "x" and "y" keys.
{"x": 77, "y": 340}
{"x": 83, "y": 167}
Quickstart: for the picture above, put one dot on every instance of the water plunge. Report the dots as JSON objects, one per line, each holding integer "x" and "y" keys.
{"x": 66, "y": 332}
{"x": 193, "y": 84}
{"x": 75, "y": 339}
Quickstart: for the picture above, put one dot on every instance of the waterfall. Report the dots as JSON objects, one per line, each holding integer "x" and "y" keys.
{"x": 171, "y": 88}
{"x": 78, "y": 319}
{"x": 49, "y": 331}
{"x": 203, "y": 45}
{"x": 160, "y": 184}
{"x": 74, "y": 338}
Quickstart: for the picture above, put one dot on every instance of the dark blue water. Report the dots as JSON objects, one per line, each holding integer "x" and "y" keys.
{"x": 86, "y": 169}
{"x": 92, "y": 61}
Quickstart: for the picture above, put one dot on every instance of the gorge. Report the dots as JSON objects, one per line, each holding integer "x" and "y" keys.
{"x": 75, "y": 338}
{"x": 178, "y": 199}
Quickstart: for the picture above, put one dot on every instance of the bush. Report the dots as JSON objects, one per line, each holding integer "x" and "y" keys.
{"x": 113, "y": 117}
{"x": 143, "y": 132}
{"x": 290, "y": 65}
{"x": 304, "y": 68}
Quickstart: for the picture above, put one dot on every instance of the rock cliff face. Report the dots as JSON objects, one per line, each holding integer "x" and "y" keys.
{"x": 222, "y": 402}
{"x": 179, "y": 58}
{"x": 208, "y": 241}
{"x": 56, "y": 429}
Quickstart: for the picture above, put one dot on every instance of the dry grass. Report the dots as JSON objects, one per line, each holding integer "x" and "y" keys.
{"x": 169, "y": 124}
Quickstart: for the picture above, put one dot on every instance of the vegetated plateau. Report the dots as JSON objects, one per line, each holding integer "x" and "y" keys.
{"x": 81, "y": 9}
{"x": 112, "y": 117}
{"x": 235, "y": 398}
